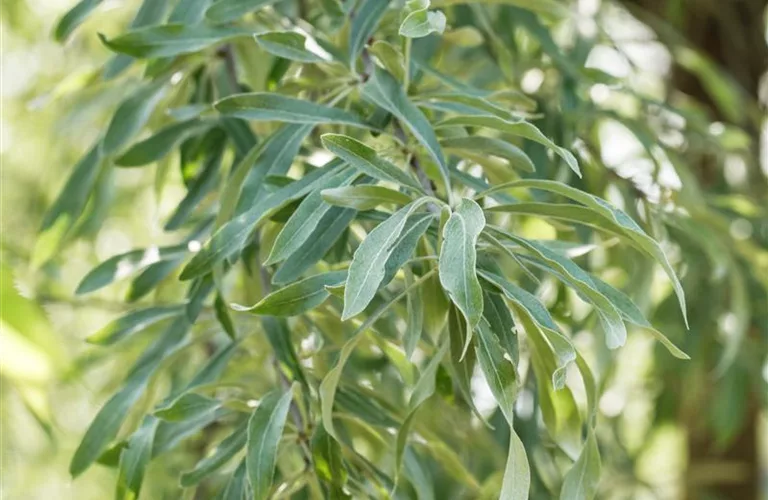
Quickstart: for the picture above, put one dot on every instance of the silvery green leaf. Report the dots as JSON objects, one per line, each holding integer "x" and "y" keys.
{"x": 458, "y": 256}
{"x": 264, "y": 106}
{"x": 629, "y": 227}
{"x": 480, "y": 145}
{"x": 223, "y": 453}
{"x": 365, "y": 159}
{"x": 364, "y": 197}
{"x": 130, "y": 117}
{"x": 169, "y": 40}
{"x": 188, "y": 405}
{"x": 610, "y": 319}
{"x": 298, "y": 297}
{"x": 265, "y": 428}
{"x": 581, "y": 481}
{"x": 68, "y": 207}
{"x": 517, "y": 127}
{"x": 160, "y": 144}
{"x": 422, "y": 23}
{"x": 73, "y": 18}
{"x": 368, "y": 263}
{"x": 134, "y": 460}
{"x": 232, "y": 236}
{"x": 386, "y": 92}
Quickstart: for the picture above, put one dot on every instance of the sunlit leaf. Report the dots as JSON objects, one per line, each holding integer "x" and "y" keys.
{"x": 458, "y": 256}
{"x": 298, "y": 297}
{"x": 261, "y": 106}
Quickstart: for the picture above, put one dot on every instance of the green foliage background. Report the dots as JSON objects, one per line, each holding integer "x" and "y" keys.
{"x": 687, "y": 171}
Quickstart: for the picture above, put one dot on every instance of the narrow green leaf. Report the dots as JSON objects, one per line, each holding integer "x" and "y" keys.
{"x": 458, "y": 257}
{"x": 160, "y": 144}
{"x": 279, "y": 336}
{"x": 331, "y": 380}
{"x": 384, "y": 91}
{"x": 364, "y": 197}
{"x": 502, "y": 379}
{"x": 223, "y": 317}
{"x": 188, "y": 405}
{"x": 462, "y": 359}
{"x": 68, "y": 207}
{"x": 326, "y": 234}
{"x": 423, "y": 390}
{"x": 610, "y": 319}
{"x": 520, "y": 128}
{"x": 224, "y": 11}
{"x": 517, "y": 472}
{"x": 204, "y": 183}
{"x": 237, "y": 487}
{"x": 365, "y": 159}
{"x": 630, "y": 312}
{"x": 415, "y": 318}
{"x": 499, "y": 318}
{"x": 328, "y": 461}
{"x": 536, "y": 313}
{"x": 367, "y": 269}
{"x": 264, "y": 106}
{"x": 366, "y": 17}
{"x": 500, "y": 373}
{"x": 298, "y": 297}
{"x": 629, "y": 227}
{"x": 131, "y": 116}
{"x": 403, "y": 249}
{"x": 133, "y": 322}
{"x": 465, "y": 104}
{"x": 73, "y": 18}
{"x": 304, "y": 220}
{"x": 106, "y": 425}
{"x": 581, "y": 481}
{"x": 265, "y": 428}
{"x": 558, "y": 407}
{"x": 436, "y": 307}
{"x": 223, "y": 453}
{"x": 232, "y": 237}
{"x": 123, "y": 265}
{"x": 170, "y": 40}
{"x": 151, "y": 277}
{"x": 150, "y": 13}
{"x": 272, "y": 156}
{"x": 561, "y": 211}
{"x": 480, "y": 145}
{"x": 292, "y": 46}
{"x": 134, "y": 460}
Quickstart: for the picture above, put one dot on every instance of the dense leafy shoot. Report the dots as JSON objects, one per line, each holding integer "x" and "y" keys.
{"x": 372, "y": 181}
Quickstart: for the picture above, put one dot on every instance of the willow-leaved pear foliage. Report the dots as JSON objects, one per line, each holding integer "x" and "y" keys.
{"x": 366, "y": 186}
